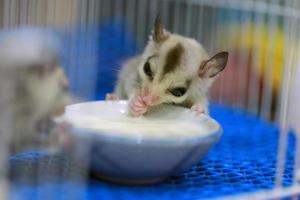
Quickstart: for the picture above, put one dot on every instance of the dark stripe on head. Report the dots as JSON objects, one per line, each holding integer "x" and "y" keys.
{"x": 173, "y": 58}
{"x": 188, "y": 83}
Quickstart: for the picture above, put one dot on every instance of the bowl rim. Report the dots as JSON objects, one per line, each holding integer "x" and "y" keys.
{"x": 93, "y": 134}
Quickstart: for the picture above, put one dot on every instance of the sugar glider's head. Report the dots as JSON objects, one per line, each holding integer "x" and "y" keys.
{"x": 173, "y": 67}
{"x": 34, "y": 55}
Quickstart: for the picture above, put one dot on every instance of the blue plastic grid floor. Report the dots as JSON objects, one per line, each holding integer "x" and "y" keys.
{"x": 244, "y": 160}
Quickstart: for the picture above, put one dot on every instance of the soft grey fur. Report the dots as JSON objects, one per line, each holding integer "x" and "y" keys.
{"x": 37, "y": 88}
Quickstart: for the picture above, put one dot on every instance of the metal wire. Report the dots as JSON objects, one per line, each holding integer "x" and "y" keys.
{"x": 249, "y": 83}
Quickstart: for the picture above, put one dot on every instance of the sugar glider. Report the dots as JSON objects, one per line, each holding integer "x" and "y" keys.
{"x": 173, "y": 69}
{"x": 40, "y": 85}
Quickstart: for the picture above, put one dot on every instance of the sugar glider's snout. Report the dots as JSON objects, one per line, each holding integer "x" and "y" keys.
{"x": 149, "y": 97}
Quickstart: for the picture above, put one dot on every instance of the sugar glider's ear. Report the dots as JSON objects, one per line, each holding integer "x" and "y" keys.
{"x": 214, "y": 65}
{"x": 159, "y": 33}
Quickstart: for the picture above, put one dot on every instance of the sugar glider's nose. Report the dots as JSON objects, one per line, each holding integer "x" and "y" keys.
{"x": 150, "y": 99}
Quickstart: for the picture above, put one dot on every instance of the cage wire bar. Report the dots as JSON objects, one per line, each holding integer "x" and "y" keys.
{"x": 290, "y": 29}
{"x": 205, "y": 20}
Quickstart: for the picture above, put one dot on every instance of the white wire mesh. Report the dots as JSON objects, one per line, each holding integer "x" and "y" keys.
{"x": 264, "y": 90}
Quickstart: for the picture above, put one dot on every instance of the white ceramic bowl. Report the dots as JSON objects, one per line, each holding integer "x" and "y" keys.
{"x": 140, "y": 150}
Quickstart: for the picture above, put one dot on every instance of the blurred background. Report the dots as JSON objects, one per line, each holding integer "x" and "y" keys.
{"x": 255, "y": 99}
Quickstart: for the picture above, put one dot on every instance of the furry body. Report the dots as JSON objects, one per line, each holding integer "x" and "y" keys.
{"x": 38, "y": 88}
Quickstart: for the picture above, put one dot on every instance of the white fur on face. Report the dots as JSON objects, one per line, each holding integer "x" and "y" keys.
{"x": 186, "y": 71}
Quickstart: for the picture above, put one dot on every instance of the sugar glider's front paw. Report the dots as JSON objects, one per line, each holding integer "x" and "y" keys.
{"x": 199, "y": 109}
{"x": 111, "y": 97}
{"x": 137, "y": 107}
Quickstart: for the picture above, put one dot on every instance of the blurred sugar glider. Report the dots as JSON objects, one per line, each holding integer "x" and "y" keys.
{"x": 172, "y": 69}
{"x": 40, "y": 85}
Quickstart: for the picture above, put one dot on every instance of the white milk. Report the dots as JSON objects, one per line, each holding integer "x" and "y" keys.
{"x": 160, "y": 123}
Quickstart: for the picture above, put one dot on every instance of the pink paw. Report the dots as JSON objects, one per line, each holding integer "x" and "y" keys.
{"x": 198, "y": 109}
{"x": 111, "y": 97}
{"x": 137, "y": 106}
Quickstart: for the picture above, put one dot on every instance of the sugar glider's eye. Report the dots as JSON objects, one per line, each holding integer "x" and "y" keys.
{"x": 147, "y": 70}
{"x": 178, "y": 92}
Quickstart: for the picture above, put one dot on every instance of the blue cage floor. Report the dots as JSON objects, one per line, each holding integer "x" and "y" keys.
{"x": 244, "y": 160}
